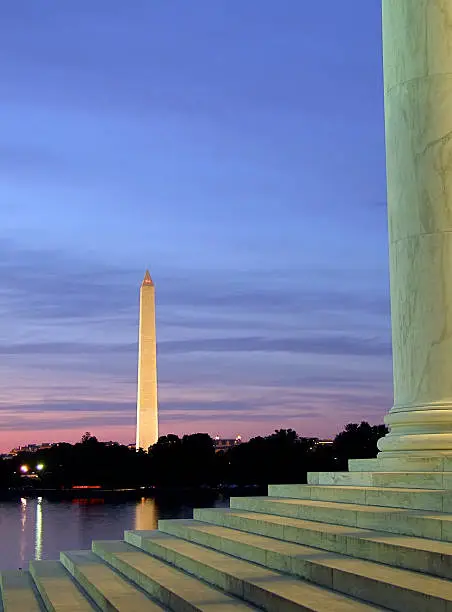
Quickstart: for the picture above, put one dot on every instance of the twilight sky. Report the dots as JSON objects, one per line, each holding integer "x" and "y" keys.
{"x": 236, "y": 149}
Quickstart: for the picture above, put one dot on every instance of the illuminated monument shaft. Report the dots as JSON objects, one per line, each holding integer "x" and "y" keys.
{"x": 417, "y": 45}
{"x": 147, "y": 408}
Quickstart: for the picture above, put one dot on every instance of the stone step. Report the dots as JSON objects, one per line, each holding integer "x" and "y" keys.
{"x": 418, "y": 554}
{"x": 173, "y": 588}
{"x": 406, "y": 480}
{"x": 57, "y": 589}
{"x": 417, "y": 499}
{"x": 432, "y": 525}
{"x": 268, "y": 589}
{"x": 375, "y": 583}
{"x": 107, "y": 588}
{"x": 364, "y": 465}
{"x": 409, "y": 463}
{"x": 18, "y": 592}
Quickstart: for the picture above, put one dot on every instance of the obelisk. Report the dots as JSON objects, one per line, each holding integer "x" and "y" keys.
{"x": 147, "y": 407}
{"x": 417, "y": 50}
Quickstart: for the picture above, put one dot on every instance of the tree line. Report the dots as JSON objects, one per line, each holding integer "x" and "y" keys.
{"x": 189, "y": 461}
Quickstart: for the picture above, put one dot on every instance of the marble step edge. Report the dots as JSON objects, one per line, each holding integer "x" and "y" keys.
{"x": 106, "y": 587}
{"x": 408, "y": 552}
{"x": 57, "y": 588}
{"x": 18, "y": 592}
{"x": 408, "y": 463}
{"x": 401, "y": 521}
{"x": 262, "y": 587}
{"x": 437, "y": 500}
{"x": 172, "y": 587}
{"x": 331, "y": 570}
{"x": 415, "y": 480}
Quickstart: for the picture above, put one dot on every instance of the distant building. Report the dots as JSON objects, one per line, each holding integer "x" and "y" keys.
{"x": 31, "y": 448}
{"x": 222, "y": 444}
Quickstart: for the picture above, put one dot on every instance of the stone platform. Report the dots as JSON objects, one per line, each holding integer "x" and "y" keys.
{"x": 377, "y": 540}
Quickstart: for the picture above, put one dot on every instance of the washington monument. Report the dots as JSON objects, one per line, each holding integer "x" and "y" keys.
{"x": 147, "y": 408}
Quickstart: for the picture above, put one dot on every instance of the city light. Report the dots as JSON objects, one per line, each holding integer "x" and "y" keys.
{"x": 24, "y": 469}
{"x": 40, "y": 467}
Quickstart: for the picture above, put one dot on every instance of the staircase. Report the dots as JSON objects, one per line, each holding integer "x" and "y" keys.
{"x": 368, "y": 539}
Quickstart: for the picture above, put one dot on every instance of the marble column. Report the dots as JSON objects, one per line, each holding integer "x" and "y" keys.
{"x": 417, "y": 51}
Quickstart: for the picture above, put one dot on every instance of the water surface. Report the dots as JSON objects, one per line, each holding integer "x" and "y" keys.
{"x": 40, "y": 529}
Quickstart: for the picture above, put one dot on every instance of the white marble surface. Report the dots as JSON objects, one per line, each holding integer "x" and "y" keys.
{"x": 402, "y": 462}
{"x": 421, "y": 294}
{"x": 418, "y": 151}
{"x": 401, "y": 480}
{"x": 416, "y": 39}
{"x": 417, "y": 42}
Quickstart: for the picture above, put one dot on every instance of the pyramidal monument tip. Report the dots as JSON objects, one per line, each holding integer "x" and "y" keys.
{"x": 147, "y": 280}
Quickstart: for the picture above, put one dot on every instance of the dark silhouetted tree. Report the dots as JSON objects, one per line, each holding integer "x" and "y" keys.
{"x": 358, "y": 441}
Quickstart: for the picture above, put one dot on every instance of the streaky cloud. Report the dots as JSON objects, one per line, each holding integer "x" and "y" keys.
{"x": 328, "y": 345}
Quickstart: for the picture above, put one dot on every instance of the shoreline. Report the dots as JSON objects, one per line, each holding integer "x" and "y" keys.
{"x": 128, "y": 493}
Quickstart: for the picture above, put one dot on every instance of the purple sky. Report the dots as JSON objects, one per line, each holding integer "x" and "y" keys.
{"x": 236, "y": 149}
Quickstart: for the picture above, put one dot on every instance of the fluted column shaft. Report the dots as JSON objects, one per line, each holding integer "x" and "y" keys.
{"x": 417, "y": 50}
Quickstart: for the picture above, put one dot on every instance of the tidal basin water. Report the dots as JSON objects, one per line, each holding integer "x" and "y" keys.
{"x": 40, "y": 529}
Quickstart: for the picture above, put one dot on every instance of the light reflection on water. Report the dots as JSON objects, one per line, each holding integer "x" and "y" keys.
{"x": 23, "y": 526}
{"x": 40, "y": 529}
{"x": 146, "y": 514}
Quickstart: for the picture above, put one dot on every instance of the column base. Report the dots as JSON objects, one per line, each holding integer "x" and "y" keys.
{"x": 420, "y": 430}
{"x": 440, "y": 454}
